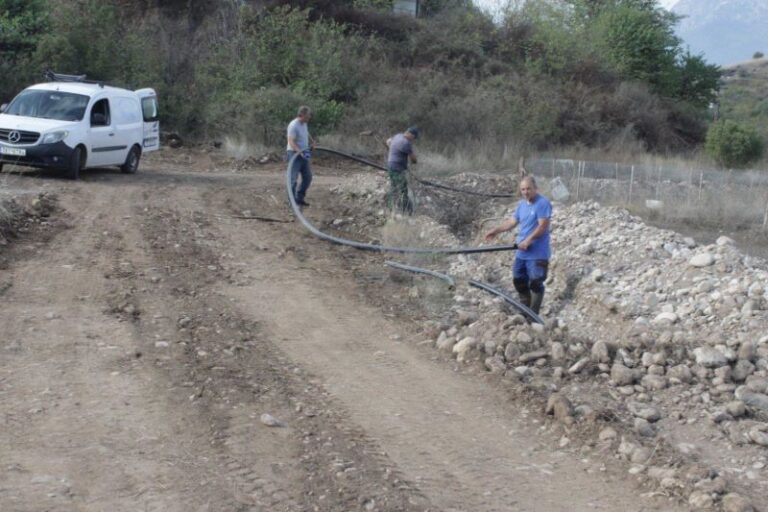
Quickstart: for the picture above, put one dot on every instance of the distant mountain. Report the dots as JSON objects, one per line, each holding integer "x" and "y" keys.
{"x": 725, "y": 31}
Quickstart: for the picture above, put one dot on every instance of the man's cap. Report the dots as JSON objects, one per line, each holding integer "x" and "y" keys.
{"x": 413, "y": 130}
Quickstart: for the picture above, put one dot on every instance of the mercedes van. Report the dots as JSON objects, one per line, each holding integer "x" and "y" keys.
{"x": 73, "y": 124}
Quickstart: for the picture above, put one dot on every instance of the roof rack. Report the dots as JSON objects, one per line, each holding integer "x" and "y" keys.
{"x": 59, "y": 77}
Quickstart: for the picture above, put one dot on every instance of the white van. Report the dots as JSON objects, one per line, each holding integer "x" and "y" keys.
{"x": 73, "y": 124}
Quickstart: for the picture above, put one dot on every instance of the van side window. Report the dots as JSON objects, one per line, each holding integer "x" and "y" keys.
{"x": 149, "y": 107}
{"x": 100, "y": 113}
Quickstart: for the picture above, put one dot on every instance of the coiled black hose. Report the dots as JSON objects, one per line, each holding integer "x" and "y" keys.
{"x": 417, "y": 270}
{"x": 426, "y": 183}
{"x": 375, "y": 247}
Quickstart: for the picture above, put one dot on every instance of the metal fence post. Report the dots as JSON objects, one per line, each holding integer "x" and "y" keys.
{"x": 631, "y": 183}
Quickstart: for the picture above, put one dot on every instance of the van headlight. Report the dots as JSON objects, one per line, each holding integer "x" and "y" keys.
{"x": 54, "y": 137}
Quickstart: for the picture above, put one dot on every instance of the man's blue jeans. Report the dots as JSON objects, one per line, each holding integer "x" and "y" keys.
{"x": 300, "y": 166}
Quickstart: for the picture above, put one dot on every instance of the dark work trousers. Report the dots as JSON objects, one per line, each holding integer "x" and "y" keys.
{"x": 300, "y": 167}
{"x": 398, "y": 199}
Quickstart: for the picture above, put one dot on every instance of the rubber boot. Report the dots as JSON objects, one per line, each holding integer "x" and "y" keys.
{"x": 536, "y": 299}
{"x": 525, "y": 299}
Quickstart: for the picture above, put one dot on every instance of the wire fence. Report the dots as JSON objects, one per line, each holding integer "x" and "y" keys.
{"x": 732, "y": 199}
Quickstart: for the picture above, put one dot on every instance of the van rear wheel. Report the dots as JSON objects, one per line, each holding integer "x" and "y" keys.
{"x": 131, "y": 164}
{"x": 76, "y": 162}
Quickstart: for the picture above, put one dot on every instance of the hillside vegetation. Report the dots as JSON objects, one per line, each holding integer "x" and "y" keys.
{"x": 744, "y": 95}
{"x": 591, "y": 73}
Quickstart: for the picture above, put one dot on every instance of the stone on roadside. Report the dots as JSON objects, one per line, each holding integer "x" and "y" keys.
{"x": 533, "y": 356}
{"x": 709, "y": 357}
{"x": 702, "y": 260}
{"x": 608, "y": 434}
{"x": 270, "y": 421}
{"x": 741, "y": 370}
{"x": 724, "y": 240}
{"x": 557, "y": 351}
{"x": 579, "y": 365}
{"x": 644, "y": 428}
{"x": 561, "y": 408}
{"x": 736, "y": 503}
{"x": 445, "y": 342}
{"x": 700, "y": 501}
{"x": 601, "y": 352}
{"x": 666, "y": 317}
{"x": 654, "y": 382}
{"x": 650, "y": 414}
{"x": 755, "y": 401}
{"x": 622, "y": 376}
{"x": 680, "y": 373}
{"x": 641, "y": 455}
{"x": 759, "y": 435}
{"x": 462, "y": 347}
{"x": 736, "y": 409}
{"x": 495, "y": 364}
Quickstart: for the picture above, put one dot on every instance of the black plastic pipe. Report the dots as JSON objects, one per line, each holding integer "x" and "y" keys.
{"x": 417, "y": 270}
{"x": 426, "y": 183}
{"x": 375, "y": 247}
{"x": 525, "y": 310}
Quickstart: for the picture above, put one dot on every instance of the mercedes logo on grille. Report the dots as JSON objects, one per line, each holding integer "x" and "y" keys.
{"x": 14, "y": 137}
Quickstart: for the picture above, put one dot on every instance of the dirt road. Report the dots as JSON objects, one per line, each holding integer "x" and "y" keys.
{"x": 141, "y": 346}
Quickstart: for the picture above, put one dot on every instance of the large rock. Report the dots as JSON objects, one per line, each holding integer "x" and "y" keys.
{"x": 601, "y": 353}
{"x": 495, "y": 364}
{"x": 557, "y": 353}
{"x": 702, "y": 260}
{"x": 710, "y": 357}
{"x": 680, "y": 373}
{"x": 736, "y": 503}
{"x": 561, "y": 408}
{"x": 699, "y": 500}
{"x": 666, "y": 317}
{"x": 445, "y": 342}
{"x": 742, "y": 370}
{"x": 759, "y": 435}
{"x": 464, "y": 346}
{"x": 654, "y": 382}
{"x": 622, "y": 375}
{"x": 755, "y": 401}
{"x": 533, "y": 356}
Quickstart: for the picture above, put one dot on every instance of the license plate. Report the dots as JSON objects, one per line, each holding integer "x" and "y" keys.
{"x": 13, "y": 151}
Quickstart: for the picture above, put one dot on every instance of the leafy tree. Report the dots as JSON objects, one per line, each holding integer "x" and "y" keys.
{"x": 697, "y": 81}
{"x": 758, "y": 55}
{"x": 640, "y": 44}
{"x": 22, "y": 22}
{"x": 733, "y": 145}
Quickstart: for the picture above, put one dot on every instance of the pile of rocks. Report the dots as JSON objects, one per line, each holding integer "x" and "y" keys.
{"x": 645, "y": 327}
{"x": 19, "y": 213}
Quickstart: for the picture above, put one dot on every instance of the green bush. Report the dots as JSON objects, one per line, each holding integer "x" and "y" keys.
{"x": 22, "y": 23}
{"x": 733, "y": 145}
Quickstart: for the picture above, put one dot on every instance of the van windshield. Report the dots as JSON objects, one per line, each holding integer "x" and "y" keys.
{"x": 62, "y": 106}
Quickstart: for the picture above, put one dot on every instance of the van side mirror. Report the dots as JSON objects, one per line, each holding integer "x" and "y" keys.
{"x": 3, "y": 107}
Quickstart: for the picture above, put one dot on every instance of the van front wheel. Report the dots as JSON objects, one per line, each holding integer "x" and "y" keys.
{"x": 131, "y": 164}
{"x": 76, "y": 163}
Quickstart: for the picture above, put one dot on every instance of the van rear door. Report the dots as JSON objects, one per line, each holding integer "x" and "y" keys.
{"x": 151, "y": 112}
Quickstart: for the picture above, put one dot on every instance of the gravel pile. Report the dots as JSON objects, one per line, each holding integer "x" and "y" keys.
{"x": 654, "y": 338}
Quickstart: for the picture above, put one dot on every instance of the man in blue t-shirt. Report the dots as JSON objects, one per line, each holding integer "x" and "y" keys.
{"x": 301, "y": 142}
{"x": 400, "y": 151}
{"x": 533, "y": 215}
